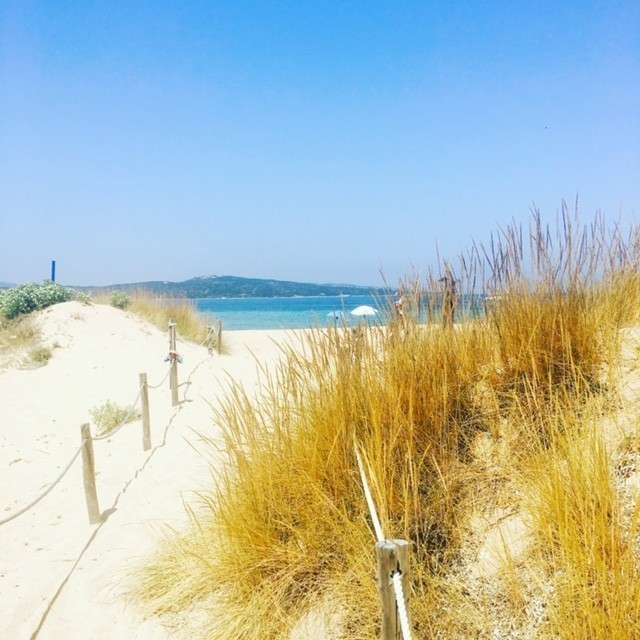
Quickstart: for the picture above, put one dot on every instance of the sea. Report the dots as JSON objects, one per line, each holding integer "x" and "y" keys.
{"x": 238, "y": 314}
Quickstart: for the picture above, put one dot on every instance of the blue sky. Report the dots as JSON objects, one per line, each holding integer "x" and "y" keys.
{"x": 309, "y": 141}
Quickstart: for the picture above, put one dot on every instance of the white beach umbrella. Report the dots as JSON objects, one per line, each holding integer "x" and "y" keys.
{"x": 364, "y": 310}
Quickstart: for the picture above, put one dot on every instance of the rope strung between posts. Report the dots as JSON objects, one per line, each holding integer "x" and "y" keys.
{"x": 48, "y": 490}
{"x": 157, "y": 386}
{"x": 135, "y": 402}
{"x": 102, "y": 522}
{"x": 79, "y": 450}
{"x": 402, "y": 606}
{"x": 367, "y": 493}
{"x": 173, "y": 357}
{"x": 207, "y": 338}
{"x": 396, "y": 576}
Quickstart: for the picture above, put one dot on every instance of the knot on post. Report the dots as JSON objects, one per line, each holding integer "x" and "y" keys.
{"x": 174, "y": 355}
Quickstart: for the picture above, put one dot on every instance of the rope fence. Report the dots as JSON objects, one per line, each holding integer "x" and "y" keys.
{"x": 393, "y": 573}
{"x": 157, "y": 386}
{"x": 392, "y": 555}
{"x": 46, "y": 492}
{"x": 86, "y": 446}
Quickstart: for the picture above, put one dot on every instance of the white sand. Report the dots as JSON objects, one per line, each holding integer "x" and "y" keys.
{"x": 61, "y": 577}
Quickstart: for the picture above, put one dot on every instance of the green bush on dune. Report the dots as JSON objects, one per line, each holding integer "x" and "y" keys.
{"x": 27, "y": 298}
{"x": 120, "y": 300}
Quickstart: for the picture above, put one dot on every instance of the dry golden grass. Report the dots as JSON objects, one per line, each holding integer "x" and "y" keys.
{"x": 190, "y": 324}
{"x": 589, "y": 556}
{"x": 286, "y": 528}
{"x": 20, "y": 341}
{"x": 18, "y": 333}
{"x": 159, "y": 311}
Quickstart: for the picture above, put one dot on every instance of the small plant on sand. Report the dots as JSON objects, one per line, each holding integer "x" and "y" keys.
{"x": 41, "y": 355}
{"x": 120, "y": 300}
{"x": 109, "y": 415}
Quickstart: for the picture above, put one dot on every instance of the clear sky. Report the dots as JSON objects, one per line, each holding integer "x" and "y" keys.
{"x": 304, "y": 140}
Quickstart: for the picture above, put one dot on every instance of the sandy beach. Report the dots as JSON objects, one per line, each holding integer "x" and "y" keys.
{"x": 59, "y": 575}
{"x": 62, "y": 577}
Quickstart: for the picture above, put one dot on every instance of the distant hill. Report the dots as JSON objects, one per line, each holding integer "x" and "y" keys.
{"x": 6, "y": 285}
{"x": 235, "y": 287}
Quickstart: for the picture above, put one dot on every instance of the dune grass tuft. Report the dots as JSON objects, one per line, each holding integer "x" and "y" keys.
{"x": 286, "y": 529}
{"x": 21, "y": 342}
{"x": 587, "y": 551}
{"x": 159, "y": 311}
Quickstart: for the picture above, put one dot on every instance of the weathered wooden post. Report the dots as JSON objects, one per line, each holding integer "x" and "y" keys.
{"x": 209, "y": 339}
{"x": 89, "y": 474}
{"x": 393, "y": 557}
{"x": 146, "y": 420}
{"x": 218, "y": 339}
{"x": 173, "y": 359}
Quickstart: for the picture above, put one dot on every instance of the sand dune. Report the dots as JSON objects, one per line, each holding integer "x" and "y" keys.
{"x": 59, "y": 575}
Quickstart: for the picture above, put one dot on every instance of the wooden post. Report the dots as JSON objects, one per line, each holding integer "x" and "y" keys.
{"x": 173, "y": 377}
{"x": 387, "y": 554}
{"x": 89, "y": 474}
{"x": 209, "y": 339}
{"x": 146, "y": 420}
{"x": 393, "y": 556}
{"x": 218, "y": 338}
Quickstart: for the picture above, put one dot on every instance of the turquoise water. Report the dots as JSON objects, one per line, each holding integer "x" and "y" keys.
{"x": 304, "y": 313}
{"x": 283, "y": 313}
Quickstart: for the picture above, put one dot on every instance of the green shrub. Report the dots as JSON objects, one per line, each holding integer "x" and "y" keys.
{"x": 84, "y": 298}
{"x": 27, "y": 298}
{"x": 120, "y": 300}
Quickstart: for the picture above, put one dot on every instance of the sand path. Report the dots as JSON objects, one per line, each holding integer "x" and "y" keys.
{"x": 59, "y": 575}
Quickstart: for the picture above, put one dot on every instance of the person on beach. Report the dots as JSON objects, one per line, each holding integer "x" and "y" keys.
{"x": 449, "y": 299}
{"x": 397, "y": 304}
